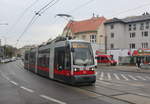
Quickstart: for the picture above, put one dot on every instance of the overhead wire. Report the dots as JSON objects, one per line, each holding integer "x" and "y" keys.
{"x": 22, "y": 15}
{"x": 81, "y": 6}
{"x": 35, "y": 17}
{"x": 128, "y": 10}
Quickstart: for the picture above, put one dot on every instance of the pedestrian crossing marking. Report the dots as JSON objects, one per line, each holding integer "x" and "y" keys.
{"x": 148, "y": 77}
{"x": 140, "y": 77}
{"x": 124, "y": 77}
{"x": 109, "y": 76}
{"x": 132, "y": 77}
{"x": 101, "y": 76}
{"x": 104, "y": 82}
{"x": 116, "y": 76}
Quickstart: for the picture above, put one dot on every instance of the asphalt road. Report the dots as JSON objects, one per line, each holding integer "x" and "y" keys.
{"x": 19, "y": 86}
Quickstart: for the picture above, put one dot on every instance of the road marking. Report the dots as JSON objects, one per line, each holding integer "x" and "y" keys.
{"x": 109, "y": 77}
{"x": 147, "y": 95}
{"x": 116, "y": 76}
{"x": 140, "y": 77}
{"x": 104, "y": 82}
{"x": 148, "y": 77}
{"x": 137, "y": 85}
{"x": 132, "y": 77}
{"x": 27, "y": 89}
{"x": 52, "y": 99}
{"x": 102, "y": 75}
{"x": 124, "y": 77}
{"x": 15, "y": 83}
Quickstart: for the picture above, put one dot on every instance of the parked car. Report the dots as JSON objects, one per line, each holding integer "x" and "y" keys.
{"x": 5, "y": 60}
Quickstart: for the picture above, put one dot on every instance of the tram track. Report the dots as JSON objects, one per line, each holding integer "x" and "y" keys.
{"x": 94, "y": 92}
{"x": 109, "y": 96}
{"x": 98, "y": 94}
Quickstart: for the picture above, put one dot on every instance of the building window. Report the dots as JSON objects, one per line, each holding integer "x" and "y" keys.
{"x": 130, "y": 27}
{"x": 111, "y": 26}
{"x": 132, "y": 46}
{"x": 147, "y": 25}
{"x": 93, "y": 38}
{"x": 112, "y": 35}
{"x": 83, "y": 37}
{"x": 145, "y": 45}
{"x": 145, "y": 34}
{"x": 132, "y": 35}
{"x": 142, "y": 26}
{"x": 112, "y": 46}
{"x": 134, "y": 26}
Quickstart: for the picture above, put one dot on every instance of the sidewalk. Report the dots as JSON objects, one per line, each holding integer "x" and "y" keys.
{"x": 126, "y": 68}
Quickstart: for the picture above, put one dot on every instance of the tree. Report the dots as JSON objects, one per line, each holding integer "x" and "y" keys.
{"x": 9, "y": 51}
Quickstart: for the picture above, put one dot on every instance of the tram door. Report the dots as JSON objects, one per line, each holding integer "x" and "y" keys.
{"x": 62, "y": 64}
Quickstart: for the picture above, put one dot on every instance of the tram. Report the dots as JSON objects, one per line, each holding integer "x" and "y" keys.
{"x": 63, "y": 59}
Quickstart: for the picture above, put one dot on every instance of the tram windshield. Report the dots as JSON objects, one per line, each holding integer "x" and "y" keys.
{"x": 82, "y": 54}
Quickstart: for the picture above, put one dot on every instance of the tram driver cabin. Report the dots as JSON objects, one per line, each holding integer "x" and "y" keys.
{"x": 70, "y": 61}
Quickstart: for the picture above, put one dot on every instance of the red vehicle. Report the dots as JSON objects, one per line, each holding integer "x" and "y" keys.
{"x": 106, "y": 59}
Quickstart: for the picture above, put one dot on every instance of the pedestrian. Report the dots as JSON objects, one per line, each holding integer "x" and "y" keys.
{"x": 138, "y": 62}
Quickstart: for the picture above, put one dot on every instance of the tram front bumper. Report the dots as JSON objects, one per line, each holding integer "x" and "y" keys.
{"x": 84, "y": 79}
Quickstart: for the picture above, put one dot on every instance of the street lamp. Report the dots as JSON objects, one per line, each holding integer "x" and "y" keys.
{"x": 67, "y": 16}
{"x": 3, "y": 23}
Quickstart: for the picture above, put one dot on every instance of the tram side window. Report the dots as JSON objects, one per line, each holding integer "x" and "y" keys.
{"x": 32, "y": 58}
{"x": 62, "y": 58}
{"x": 43, "y": 58}
{"x": 26, "y": 57}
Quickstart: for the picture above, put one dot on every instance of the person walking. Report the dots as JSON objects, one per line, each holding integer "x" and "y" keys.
{"x": 138, "y": 62}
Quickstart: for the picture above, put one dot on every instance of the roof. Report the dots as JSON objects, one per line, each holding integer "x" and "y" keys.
{"x": 85, "y": 25}
{"x": 130, "y": 19}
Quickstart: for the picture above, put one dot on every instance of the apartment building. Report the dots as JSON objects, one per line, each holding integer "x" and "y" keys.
{"x": 128, "y": 33}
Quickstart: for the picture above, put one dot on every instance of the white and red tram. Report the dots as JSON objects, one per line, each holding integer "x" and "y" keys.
{"x": 70, "y": 61}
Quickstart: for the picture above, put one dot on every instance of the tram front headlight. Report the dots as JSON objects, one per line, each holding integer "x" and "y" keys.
{"x": 76, "y": 69}
{"x": 92, "y": 69}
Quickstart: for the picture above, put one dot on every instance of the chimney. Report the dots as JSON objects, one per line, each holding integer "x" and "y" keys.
{"x": 93, "y": 15}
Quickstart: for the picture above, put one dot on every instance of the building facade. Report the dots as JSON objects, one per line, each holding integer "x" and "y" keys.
{"x": 91, "y": 30}
{"x": 128, "y": 33}
{"x": 22, "y": 50}
{"x": 1, "y": 52}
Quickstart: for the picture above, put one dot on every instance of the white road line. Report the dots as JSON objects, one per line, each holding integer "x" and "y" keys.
{"x": 52, "y": 99}
{"x": 104, "y": 82}
{"x": 109, "y": 76}
{"x": 116, "y": 76}
{"x": 15, "y": 83}
{"x": 148, "y": 77}
{"x": 27, "y": 89}
{"x": 147, "y": 95}
{"x": 124, "y": 77}
{"x": 101, "y": 76}
{"x": 140, "y": 77}
{"x": 132, "y": 77}
{"x": 5, "y": 77}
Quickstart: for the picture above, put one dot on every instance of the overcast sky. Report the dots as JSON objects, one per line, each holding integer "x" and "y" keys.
{"x": 16, "y": 14}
